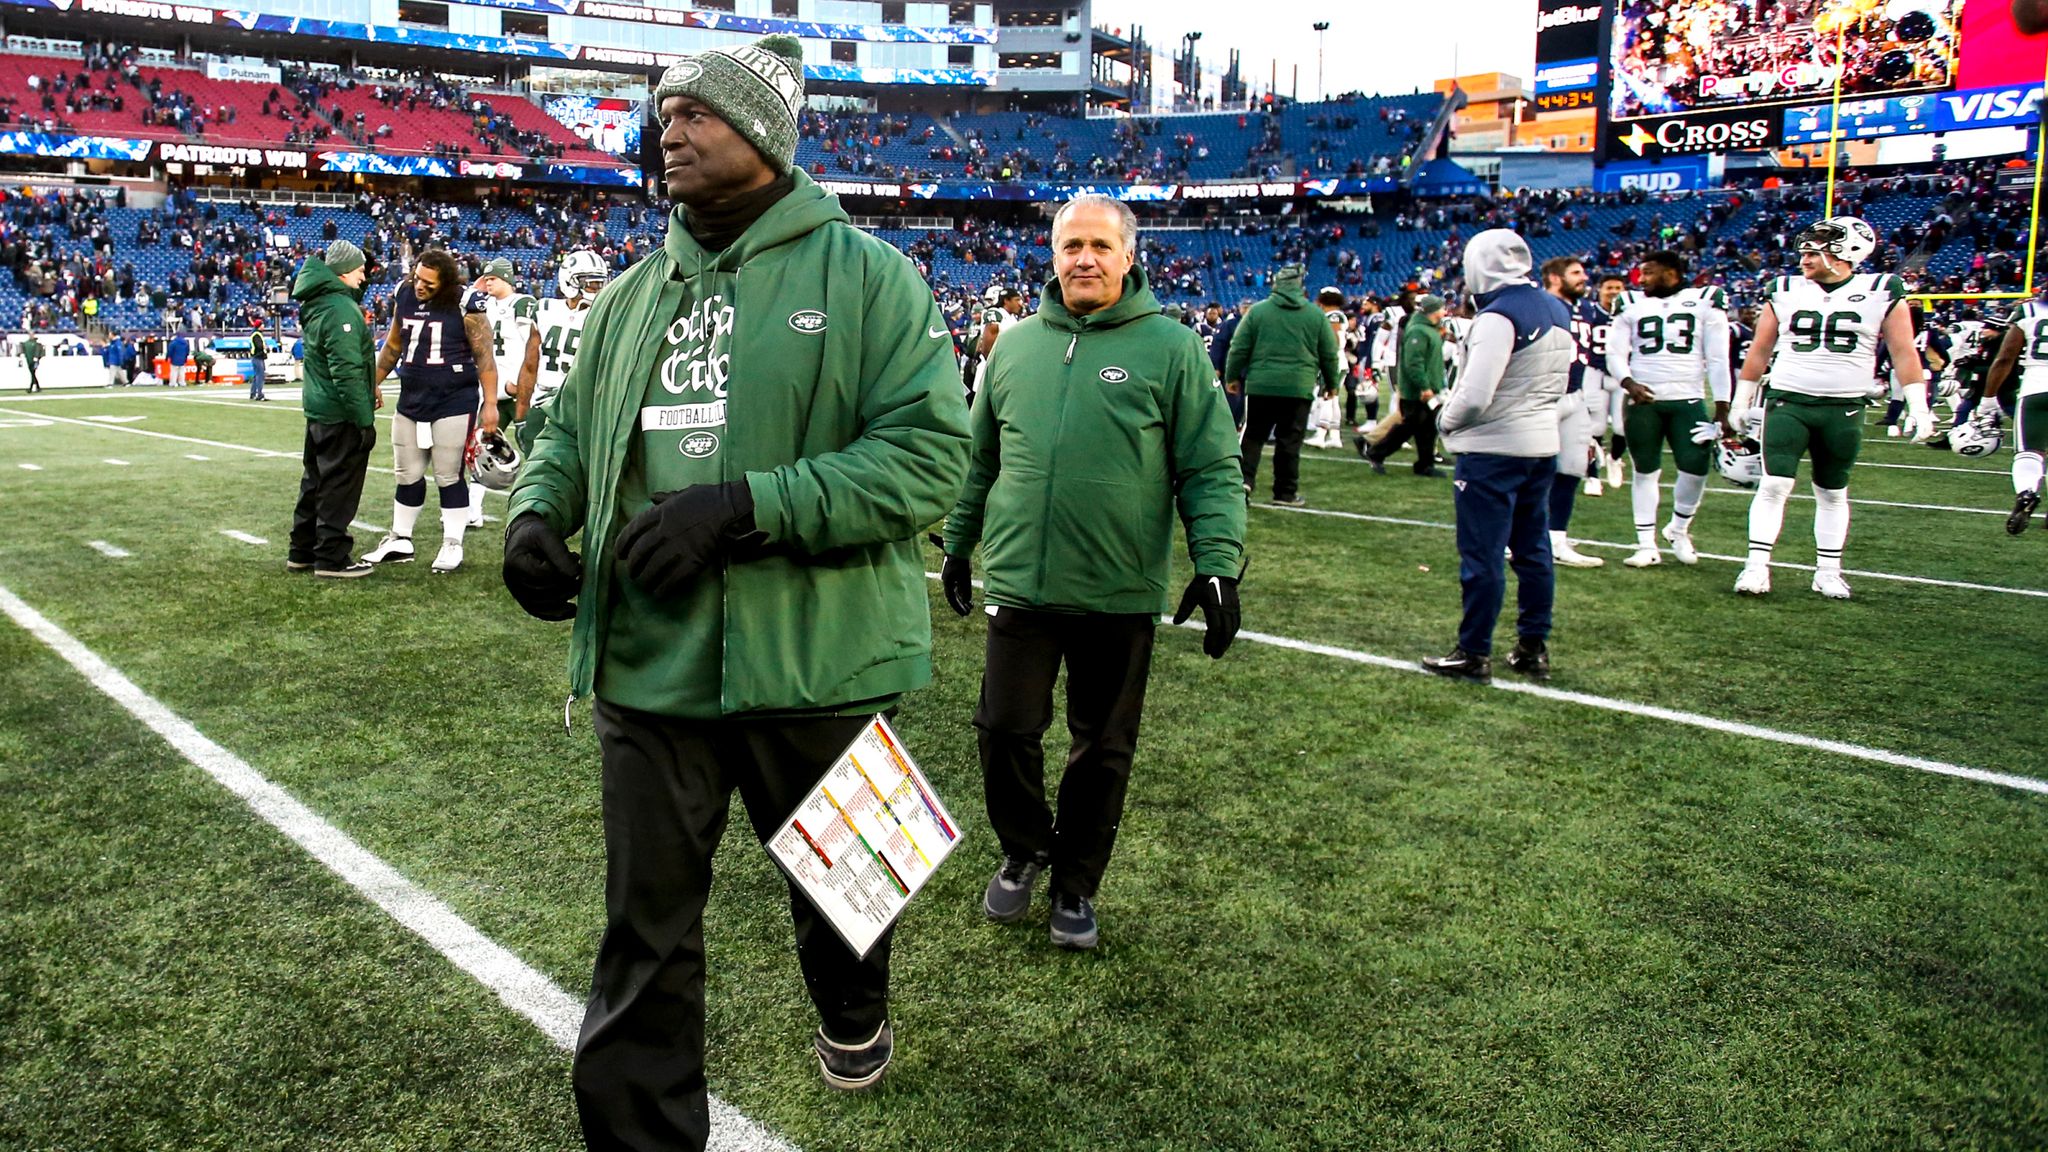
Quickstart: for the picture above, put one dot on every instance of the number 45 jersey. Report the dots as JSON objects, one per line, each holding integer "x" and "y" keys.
{"x": 561, "y": 330}
{"x": 1676, "y": 345}
{"x": 1829, "y": 335}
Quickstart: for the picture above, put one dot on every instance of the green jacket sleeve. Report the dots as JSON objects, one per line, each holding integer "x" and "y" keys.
{"x": 554, "y": 481}
{"x": 1422, "y": 361}
{"x": 984, "y": 461}
{"x": 1241, "y": 342}
{"x": 904, "y": 470}
{"x": 1207, "y": 474}
{"x": 1332, "y": 355}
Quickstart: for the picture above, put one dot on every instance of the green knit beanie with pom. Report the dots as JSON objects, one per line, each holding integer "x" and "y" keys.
{"x": 757, "y": 88}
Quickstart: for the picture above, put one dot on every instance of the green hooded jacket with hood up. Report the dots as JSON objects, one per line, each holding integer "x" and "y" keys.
{"x": 1284, "y": 346}
{"x": 338, "y": 347}
{"x": 842, "y": 412}
{"x": 1089, "y": 432}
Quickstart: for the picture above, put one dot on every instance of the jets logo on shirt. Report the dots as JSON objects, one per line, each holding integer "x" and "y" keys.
{"x": 810, "y": 320}
{"x": 1114, "y": 375}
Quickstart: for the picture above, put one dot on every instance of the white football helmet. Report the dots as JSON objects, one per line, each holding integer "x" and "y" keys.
{"x": 1974, "y": 438}
{"x": 1740, "y": 462}
{"x": 583, "y": 272}
{"x": 993, "y": 296}
{"x": 1846, "y": 238}
{"x": 493, "y": 460}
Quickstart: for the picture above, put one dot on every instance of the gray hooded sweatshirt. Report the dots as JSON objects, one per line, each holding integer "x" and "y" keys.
{"x": 1517, "y": 360}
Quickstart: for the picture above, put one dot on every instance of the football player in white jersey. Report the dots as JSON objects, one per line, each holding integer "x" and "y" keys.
{"x": 1818, "y": 336}
{"x": 2025, "y": 347}
{"x": 511, "y": 313}
{"x": 557, "y": 330}
{"x": 1007, "y": 309}
{"x": 1610, "y": 438}
{"x": 1668, "y": 348}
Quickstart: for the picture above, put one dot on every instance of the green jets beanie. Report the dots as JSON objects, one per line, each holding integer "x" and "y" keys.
{"x": 342, "y": 257}
{"x": 757, "y": 88}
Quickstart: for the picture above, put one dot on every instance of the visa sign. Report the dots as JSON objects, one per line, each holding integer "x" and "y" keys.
{"x": 1903, "y": 115}
{"x": 1988, "y": 106}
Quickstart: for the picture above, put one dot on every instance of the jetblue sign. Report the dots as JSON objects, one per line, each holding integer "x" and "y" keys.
{"x": 1904, "y": 115}
{"x": 1679, "y": 174}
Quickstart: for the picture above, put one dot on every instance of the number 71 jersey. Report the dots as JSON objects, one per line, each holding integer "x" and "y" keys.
{"x": 561, "y": 330}
{"x": 1829, "y": 336}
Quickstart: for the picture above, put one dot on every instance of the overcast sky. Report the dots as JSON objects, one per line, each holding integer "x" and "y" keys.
{"x": 1372, "y": 45}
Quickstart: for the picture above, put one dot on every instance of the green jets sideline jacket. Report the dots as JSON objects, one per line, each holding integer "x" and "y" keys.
{"x": 819, "y": 364}
{"x": 1089, "y": 432}
{"x": 339, "y": 360}
{"x": 1284, "y": 347}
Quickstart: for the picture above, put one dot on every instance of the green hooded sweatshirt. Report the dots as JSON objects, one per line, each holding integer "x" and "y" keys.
{"x": 1090, "y": 431}
{"x": 338, "y": 352}
{"x": 815, "y": 365}
{"x": 1283, "y": 346}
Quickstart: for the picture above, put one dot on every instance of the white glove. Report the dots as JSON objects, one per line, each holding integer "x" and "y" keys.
{"x": 1706, "y": 432}
{"x": 1919, "y": 419}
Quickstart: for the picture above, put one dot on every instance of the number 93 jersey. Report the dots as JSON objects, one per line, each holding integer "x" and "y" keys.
{"x": 1829, "y": 335}
{"x": 2031, "y": 319}
{"x": 1676, "y": 345}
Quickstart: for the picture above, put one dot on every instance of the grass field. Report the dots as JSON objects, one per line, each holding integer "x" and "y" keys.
{"x": 1352, "y": 907}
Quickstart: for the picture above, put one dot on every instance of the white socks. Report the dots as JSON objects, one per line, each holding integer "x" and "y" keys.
{"x": 454, "y": 522}
{"x": 2026, "y": 472}
{"x": 403, "y": 518}
{"x": 1767, "y": 517}
{"x": 1644, "y": 493}
{"x": 1685, "y": 500}
{"x": 1830, "y": 527}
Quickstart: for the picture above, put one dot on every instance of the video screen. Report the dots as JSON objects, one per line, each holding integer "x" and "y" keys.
{"x": 1677, "y": 56}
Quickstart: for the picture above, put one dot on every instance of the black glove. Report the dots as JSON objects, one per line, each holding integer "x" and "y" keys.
{"x": 1217, "y": 596}
{"x": 667, "y": 545}
{"x": 540, "y": 571}
{"x": 956, "y": 575}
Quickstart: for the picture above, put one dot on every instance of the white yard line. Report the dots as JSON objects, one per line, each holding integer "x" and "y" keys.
{"x": 196, "y": 456}
{"x": 244, "y": 537}
{"x": 107, "y": 550}
{"x": 1929, "y": 581}
{"x": 115, "y": 463}
{"x": 30, "y": 467}
{"x": 1651, "y": 711}
{"x": 526, "y": 991}
{"x": 158, "y": 435}
{"x": 1353, "y": 459}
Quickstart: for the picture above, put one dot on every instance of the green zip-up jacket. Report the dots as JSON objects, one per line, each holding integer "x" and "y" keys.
{"x": 1284, "y": 347}
{"x": 338, "y": 347}
{"x": 1089, "y": 432}
{"x": 31, "y": 351}
{"x": 1422, "y": 359}
{"x": 844, "y": 416}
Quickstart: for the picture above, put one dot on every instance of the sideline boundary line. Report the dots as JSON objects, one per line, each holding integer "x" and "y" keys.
{"x": 1647, "y": 711}
{"x": 1930, "y": 581}
{"x": 558, "y": 1015}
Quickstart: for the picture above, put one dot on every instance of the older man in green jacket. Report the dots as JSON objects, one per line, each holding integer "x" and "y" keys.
{"x": 340, "y": 428}
{"x": 762, "y": 416}
{"x": 1279, "y": 357}
{"x": 1099, "y": 419}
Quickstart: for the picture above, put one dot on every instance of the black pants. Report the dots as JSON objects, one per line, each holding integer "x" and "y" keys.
{"x": 336, "y": 460}
{"x": 1108, "y": 659}
{"x": 34, "y": 384}
{"x": 639, "y": 1066}
{"x": 1418, "y": 421}
{"x": 1286, "y": 418}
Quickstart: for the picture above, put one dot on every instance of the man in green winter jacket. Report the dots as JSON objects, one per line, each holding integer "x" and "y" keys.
{"x": 762, "y": 416}
{"x": 1419, "y": 380}
{"x": 32, "y": 355}
{"x": 1099, "y": 418}
{"x": 340, "y": 431}
{"x": 1279, "y": 357}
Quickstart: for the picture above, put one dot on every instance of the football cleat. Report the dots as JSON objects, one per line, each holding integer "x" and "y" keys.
{"x": 1831, "y": 585}
{"x": 2023, "y": 507}
{"x": 450, "y": 557}
{"x": 1460, "y": 665}
{"x": 1592, "y": 486}
{"x": 1681, "y": 545}
{"x": 1755, "y": 580}
{"x": 1614, "y": 476}
{"x": 1530, "y": 657}
{"x": 1643, "y": 558}
{"x": 1563, "y": 554}
{"x": 1894, "y": 431}
{"x": 391, "y": 550}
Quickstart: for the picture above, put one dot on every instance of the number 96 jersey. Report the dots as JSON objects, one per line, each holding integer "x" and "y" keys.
{"x": 1829, "y": 335}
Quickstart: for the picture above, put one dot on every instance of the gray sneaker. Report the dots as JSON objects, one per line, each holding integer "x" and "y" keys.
{"x": 855, "y": 1067}
{"x": 1073, "y": 921}
{"x": 1008, "y": 898}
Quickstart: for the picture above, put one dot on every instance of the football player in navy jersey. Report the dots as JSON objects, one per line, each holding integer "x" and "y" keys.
{"x": 442, "y": 353}
{"x": 1585, "y": 393}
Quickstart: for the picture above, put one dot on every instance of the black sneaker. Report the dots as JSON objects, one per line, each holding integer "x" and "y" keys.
{"x": 1073, "y": 921}
{"x": 354, "y": 571}
{"x": 854, "y": 1067}
{"x": 1531, "y": 657}
{"x": 2023, "y": 507}
{"x": 1294, "y": 501}
{"x": 1429, "y": 473}
{"x": 1364, "y": 449}
{"x": 1379, "y": 467}
{"x": 1008, "y": 898}
{"x": 298, "y": 565}
{"x": 1460, "y": 665}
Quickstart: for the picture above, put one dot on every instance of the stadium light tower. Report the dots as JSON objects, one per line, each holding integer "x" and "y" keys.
{"x": 1321, "y": 26}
